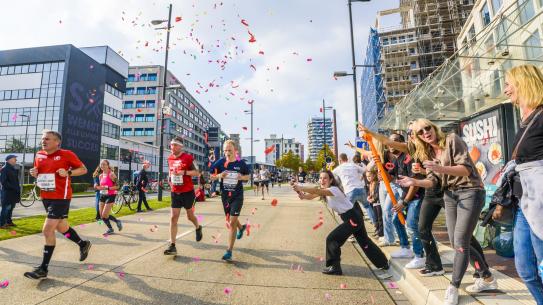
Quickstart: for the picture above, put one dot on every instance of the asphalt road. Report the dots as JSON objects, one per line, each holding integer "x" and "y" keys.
{"x": 280, "y": 262}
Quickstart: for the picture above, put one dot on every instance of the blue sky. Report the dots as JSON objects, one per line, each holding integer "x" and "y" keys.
{"x": 303, "y": 42}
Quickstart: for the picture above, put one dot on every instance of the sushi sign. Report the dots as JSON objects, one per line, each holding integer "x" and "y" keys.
{"x": 481, "y": 130}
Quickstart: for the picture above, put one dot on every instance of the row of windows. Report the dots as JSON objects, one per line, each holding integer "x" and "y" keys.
{"x": 112, "y": 112}
{"x": 52, "y": 77}
{"x": 139, "y": 104}
{"x": 127, "y": 132}
{"x": 399, "y": 39}
{"x": 19, "y": 94}
{"x": 32, "y": 68}
{"x": 110, "y": 130}
{"x": 18, "y": 116}
{"x": 110, "y": 152}
{"x": 142, "y": 77}
{"x": 138, "y": 118}
{"x": 206, "y": 120}
{"x": 141, "y": 91}
{"x": 114, "y": 91}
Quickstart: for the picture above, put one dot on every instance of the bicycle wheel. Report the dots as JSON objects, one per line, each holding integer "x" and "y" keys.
{"x": 118, "y": 204}
{"x": 28, "y": 199}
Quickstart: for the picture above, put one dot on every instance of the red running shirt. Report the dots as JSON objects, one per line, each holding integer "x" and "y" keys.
{"x": 49, "y": 164}
{"x": 176, "y": 165}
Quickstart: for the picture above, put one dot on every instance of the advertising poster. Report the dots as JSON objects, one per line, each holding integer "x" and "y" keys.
{"x": 484, "y": 136}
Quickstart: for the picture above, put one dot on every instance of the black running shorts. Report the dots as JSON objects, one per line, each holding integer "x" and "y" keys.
{"x": 57, "y": 208}
{"x": 183, "y": 200}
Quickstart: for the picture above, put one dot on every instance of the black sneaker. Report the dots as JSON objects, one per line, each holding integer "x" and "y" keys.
{"x": 332, "y": 270}
{"x": 426, "y": 272}
{"x": 119, "y": 225}
{"x": 199, "y": 234}
{"x": 36, "y": 274}
{"x": 84, "y": 250}
{"x": 171, "y": 250}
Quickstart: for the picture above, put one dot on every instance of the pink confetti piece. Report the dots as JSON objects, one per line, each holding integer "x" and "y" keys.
{"x": 196, "y": 259}
{"x": 343, "y": 286}
{"x": 353, "y": 223}
{"x": 67, "y": 235}
{"x": 4, "y": 284}
{"x": 121, "y": 275}
{"x": 200, "y": 218}
{"x": 320, "y": 258}
{"x": 13, "y": 233}
{"x": 227, "y": 290}
{"x": 327, "y": 296}
{"x": 90, "y": 267}
{"x": 461, "y": 250}
{"x": 392, "y": 285}
{"x": 82, "y": 226}
{"x": 253, "y": 211}
{"x": 477, "y": 265}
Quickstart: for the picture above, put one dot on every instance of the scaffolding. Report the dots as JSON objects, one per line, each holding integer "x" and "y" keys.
{"x": 373, "y": 97}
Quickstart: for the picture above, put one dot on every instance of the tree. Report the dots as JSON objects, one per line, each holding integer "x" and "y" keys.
{"x": 290, "y": 161}
{"x": 16, "y": 146}
{"x": 320, "y": 162}
{"x": 310, "y": 165}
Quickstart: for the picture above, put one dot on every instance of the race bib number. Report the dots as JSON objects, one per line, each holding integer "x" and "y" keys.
{"x": 177, "y": 179}
{"x": 231, "y": 179}
{"x": 46, "y": 182}
{"x": 103, "y": 192}
{"x": 300, "y": 179}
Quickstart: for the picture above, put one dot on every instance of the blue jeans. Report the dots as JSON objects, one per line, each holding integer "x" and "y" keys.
{"x": 359, "y": 194}
{"x": 97, "y": 204}
{"x": 528, "y": 255}
{"x": 412, "y": 223}
{"x": 386, "y": 205}
{"x": 4, "y": 213}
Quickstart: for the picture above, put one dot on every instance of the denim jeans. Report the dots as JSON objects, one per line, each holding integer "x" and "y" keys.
{"x": 97, "y": 204}
{"x": 528, "y": 255}
{"x": 359, "y": 194}
{"x": 4, "y": 213}
{"x": 412, "y": 224}
{"x": 388, "y": 213}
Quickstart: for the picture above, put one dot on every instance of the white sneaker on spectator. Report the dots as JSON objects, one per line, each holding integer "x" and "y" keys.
{"x": 385, "y": 244}
{"x": 385, "y": 275}
{"x": 481, "y": 285}
{"x": 402, "y": 253}
{"x": 416, "y": 263}
{"x": 351, "y": 239}
{"x": 382, "y": 238}
{"x": 451, "y": 296}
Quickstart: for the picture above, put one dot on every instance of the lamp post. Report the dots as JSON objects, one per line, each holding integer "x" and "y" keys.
{"x": 161, "y": 148}
{"x": 27, "y": 117}
{"x": 251, "y": 113}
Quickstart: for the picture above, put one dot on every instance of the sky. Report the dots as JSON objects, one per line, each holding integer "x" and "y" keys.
{"x": 287, "y": 69}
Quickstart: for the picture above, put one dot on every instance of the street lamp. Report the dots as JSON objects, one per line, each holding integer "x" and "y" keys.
{"x": 27, "y": 117}
{"x": 161, "y": 148}
{"x": 251, "y": 113}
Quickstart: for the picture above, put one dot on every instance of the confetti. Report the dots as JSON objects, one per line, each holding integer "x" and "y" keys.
{"x": 196, "y": 259}
{"x": 353, "y": 223}
{"x": 392, "y": 285}
{"x": 274, "y": 202}
{"x": 121, "y": 275}
{"x": 67, "y": 235}
{"x": 4, "y": 284}
{"x": 237, "y": 273}
{"x": 177, "y": 19}
{"x": 315, "y": 227}
{"x": 327, "y": 296}
{"x": 477, "y": 265}
{"x": 82, "y": 226}
{"x": 90, "y": 267}
{"x": 251, "y": 37}
{"x": 309, "y": 59}
{"x": 244, "y": 22}
{"x": 253, "y": 66}
{"x": 13, "y": 233}
{"x": 320, "y": 258}
{"x": 200, "y": 218}
{"x": 461, "y": 250}
{"x": 227, "y": 290}
{"x": 343, "y": 286}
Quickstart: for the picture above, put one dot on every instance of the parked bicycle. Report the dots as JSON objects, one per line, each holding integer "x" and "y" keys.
{"x": 125, "y": 197}
{"x": 30, "y": 196}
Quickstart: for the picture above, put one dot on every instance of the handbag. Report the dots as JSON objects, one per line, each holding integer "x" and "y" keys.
{"x": 509, "y": 192}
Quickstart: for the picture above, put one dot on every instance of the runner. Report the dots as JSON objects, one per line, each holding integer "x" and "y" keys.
{"x": 52, "y": 169}
{"x": 182, "y": 169}
{"x": 353, "y": 223}
{"x": 256, "y": 182}
{"x": 231, "y": 172}
{"x": 301, "y": 175}
{"x": 108, "y": 191}
{"x": 264, "y": 180}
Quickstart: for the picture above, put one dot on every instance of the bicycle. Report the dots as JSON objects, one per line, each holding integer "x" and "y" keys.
{"x": 30, "y": 197}
{"x": 126, "y": 197}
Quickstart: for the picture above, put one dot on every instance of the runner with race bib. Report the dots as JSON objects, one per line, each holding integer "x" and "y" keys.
{"x": 53, "y": 169}
{"x": 232, "y": 174}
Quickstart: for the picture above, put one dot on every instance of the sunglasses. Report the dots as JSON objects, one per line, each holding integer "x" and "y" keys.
{"x": 426, "y": 128}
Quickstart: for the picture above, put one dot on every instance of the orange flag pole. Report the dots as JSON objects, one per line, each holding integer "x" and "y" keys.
{"x": 379, "y": 164}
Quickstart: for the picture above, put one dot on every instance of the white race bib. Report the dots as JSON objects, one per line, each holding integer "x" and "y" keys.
{"x": 46, "y": 182}
{"x": 103, "y": 192}
{"x": 300, "y": 179}
{"x": 177, "y": 179}
{"x": 231, "y": 179}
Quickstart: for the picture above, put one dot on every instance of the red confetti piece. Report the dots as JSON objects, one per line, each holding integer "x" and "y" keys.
{"x": 227, "y": 290}
{"x": 121, "y": 275}
{"x": 477, "y": 265}
{"x": 274, "y": 202}
{"x": 353, "y": 223}
{"x": 244, "y": 128}
{"x": 252, "y": 37}
{"x": 244, "y": 22}
{"x": 343, "y": 286}
{"x": 315, "y": 227}
{"x": 269, "y": 150}
{"x": 4, "y": 284}
{"x": 177, "y": 19}
{"x": 13, "y": 233}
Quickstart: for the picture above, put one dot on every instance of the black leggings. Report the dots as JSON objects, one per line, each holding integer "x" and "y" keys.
{"x": 339, "y": 235}
{"x": 378, "y": 212}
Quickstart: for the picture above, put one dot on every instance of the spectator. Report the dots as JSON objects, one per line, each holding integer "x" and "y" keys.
{"x": 524, "y": 86}
{"x": 11, "y": 191}
{"x": 141, "y": 184}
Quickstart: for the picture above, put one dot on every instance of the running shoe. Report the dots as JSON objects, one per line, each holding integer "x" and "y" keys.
{"x": 36, "y": 274}
{"x": 351, "y": 239}
{"x": 119, "y": 225}
{"x": 416, "y": 263}
{"x": 427, "y": 272}
{"x": 84, "y": 250}
{"x": 171, "y": 250}
{"x": 385, "y": 275}
{"x": 332, "y": 270}
{"x": 240, "y": 232}
{"x": 227, "y": 256}
{"x": 481, "y": 285}
{"x": 402, "y": 253}
{"x": 451, "y": 296}
{"x": 109, "y": 232}
{"x": 199, "y": 234}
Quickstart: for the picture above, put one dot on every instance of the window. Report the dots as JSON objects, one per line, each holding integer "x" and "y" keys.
{"x": 109, "y": 152}
{"x": 472, "y": 33}
{"x": 114, "y": 91}
{"x": 127, "y": 132}
{"x": 127, "y": 118}
{"x": 128, "y": 104}
{"x": 149, "y": 131}
{"x": 485, "y": 15}
{"x": 140, "y": 104}
{"x": 140, "y": 117}
{"x": 151, "y": 90}
{"x": 533, "y": 46}
{"x": 496, "y": 5}
{"x": 131, "y": 78}
{"x": 110, "y": 130}
{"x": 152, "y": 77}
{"x": 112, "y": 112}
{"x": 129, "y": 91}
{"x": 138, "y": 132}
{"x": 150, "y": 104}
{"x": 526, "y": 10}
{"x": 413, "y": 65}
{"x": 140, "y": 90}
{"x": 149, "y": 118}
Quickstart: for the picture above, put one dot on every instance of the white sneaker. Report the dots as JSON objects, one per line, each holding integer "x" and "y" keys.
{"x": 351, "y": 239}
{"x": 382, "y": 238}
{"x": 482, "y": 285}
{"x": 385, "y": 275}
{"x": 416, "y": 263}
{"x": 385, "y": 244}
{"x": 451, "y": 296}
{"x": 403, "y": 253}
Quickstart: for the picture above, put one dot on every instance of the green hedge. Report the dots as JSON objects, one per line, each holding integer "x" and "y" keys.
{"x": 76, "y": 187}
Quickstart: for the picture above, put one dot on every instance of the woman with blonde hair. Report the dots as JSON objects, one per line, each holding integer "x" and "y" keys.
{"x": 451, "y": 166}
{"x": 524, "y": 87}
{"x": 108, "y": 191}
